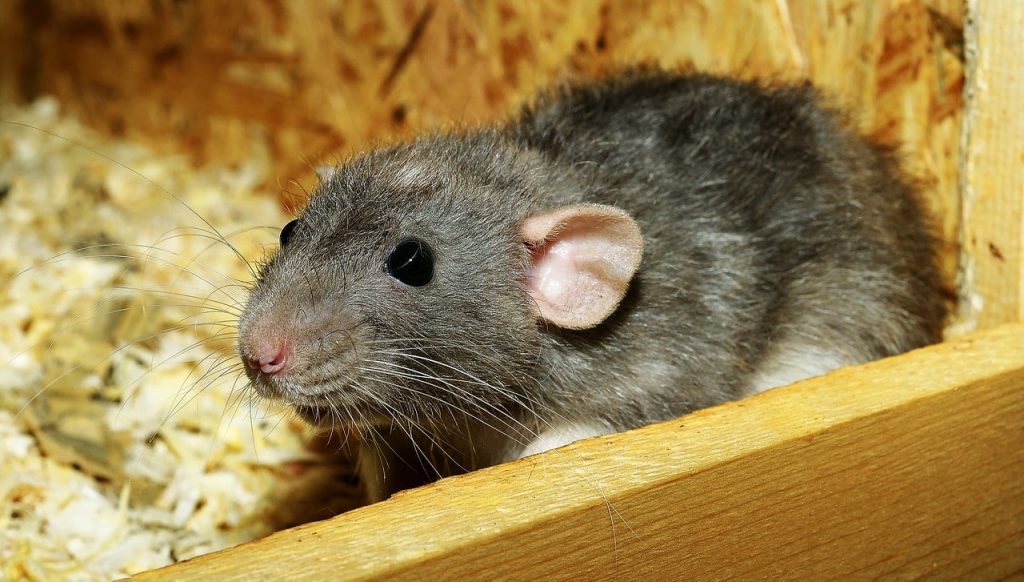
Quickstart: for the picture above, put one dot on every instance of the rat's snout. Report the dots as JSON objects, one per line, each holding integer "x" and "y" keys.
{"x": 269, "y": 358}
{"x": 269, "y": 355}
{"x": 292, "y": 347}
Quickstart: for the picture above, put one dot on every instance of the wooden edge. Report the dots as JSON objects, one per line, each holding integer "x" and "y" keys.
{"x": 992, "y": 167}
{"x": 903, "y": 467}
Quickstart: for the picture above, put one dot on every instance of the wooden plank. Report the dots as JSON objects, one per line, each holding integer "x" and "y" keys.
{"x": 992, "y": 291}
{"x": 909, "y": 466}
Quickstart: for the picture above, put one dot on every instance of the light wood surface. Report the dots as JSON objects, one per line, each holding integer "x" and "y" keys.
{"x": 993, "y": 171}
{"x": 904, "y": 467}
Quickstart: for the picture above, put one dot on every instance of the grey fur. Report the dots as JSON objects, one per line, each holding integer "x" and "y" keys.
{"x": 765, "y": 221}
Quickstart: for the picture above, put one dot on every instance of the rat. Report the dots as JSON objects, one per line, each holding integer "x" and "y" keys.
{"x": 618, "y": 253}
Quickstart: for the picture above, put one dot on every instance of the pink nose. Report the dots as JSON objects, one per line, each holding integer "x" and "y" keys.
{"x": 270, "y": 359}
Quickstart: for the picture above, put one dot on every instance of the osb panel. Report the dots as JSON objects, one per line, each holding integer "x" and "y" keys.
{"x": 316, "y": 80}
{"x": 992, "y": 269}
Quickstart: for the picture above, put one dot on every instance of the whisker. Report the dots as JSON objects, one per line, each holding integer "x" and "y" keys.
{"x": 75, "y": 254}
{"x": 505, "y": 392}
{"x": 213, "y": 229}
{"x": 448, "y": 405}
{"x": 130, "y": 387}
{"x": 182, "y": 392}
{"x": 398, "y": 417}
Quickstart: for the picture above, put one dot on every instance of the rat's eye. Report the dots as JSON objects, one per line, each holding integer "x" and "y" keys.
{"x": 286, "y": 232}
{"x": 411, "y": 262}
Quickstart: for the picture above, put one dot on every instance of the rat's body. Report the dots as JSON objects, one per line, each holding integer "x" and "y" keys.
{"x": 775, "y": 246}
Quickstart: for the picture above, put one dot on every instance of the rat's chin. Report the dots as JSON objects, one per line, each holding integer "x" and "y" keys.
{"x": 317, "y": 415}
{"x": 327, "y": 417}
{"x": 334, "y": 411}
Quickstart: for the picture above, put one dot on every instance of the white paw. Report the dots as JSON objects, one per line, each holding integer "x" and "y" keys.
{"x": 559, "y": 436}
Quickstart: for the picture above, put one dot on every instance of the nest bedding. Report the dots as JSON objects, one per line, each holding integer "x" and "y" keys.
{"x": 128, "y": 439}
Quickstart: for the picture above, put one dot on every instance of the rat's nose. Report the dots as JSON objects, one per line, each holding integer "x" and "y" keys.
{"x": 270, "y": 358}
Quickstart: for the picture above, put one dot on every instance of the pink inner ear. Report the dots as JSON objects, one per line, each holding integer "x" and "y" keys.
{"x": 582, "y": 269}
{"x": 554, "y": 273}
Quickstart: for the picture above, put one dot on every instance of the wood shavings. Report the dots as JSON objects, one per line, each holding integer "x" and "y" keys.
{"x": 127, "y": 439}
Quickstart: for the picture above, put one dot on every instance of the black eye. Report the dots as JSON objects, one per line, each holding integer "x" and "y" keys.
{"x": 411, "y": 262}
{"x": 286, "y": 232}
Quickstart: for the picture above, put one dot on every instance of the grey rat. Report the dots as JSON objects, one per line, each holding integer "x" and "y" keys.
{"x": 619, "y": 253}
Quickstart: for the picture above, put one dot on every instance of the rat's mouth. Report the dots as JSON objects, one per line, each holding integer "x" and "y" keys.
{"x": 334, "y": 410}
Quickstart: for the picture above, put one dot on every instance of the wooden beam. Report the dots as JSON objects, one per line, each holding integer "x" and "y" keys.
{"x": 992, "y": 282}
{"x": 904, "y": 467}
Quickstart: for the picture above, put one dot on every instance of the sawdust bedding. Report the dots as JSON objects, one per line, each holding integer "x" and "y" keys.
{"x": 127, "y": 438}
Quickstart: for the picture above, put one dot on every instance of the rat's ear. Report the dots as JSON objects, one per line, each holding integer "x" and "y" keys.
{"x": 583, "y": 259}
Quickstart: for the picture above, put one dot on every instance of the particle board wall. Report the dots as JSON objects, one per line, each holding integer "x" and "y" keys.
{"x": 310, "y": 82}
{"x": 992, "y": 274}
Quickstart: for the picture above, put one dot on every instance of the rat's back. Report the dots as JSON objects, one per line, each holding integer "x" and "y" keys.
{"x": 779, "y": 244}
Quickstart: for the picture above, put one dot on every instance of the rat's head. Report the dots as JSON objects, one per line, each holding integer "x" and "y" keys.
{"x": 419, "y": 280}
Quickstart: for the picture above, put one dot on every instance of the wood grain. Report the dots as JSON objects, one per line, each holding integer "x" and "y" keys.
{"x": 906, "y": 467}
{"x": 992, "y": 291}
